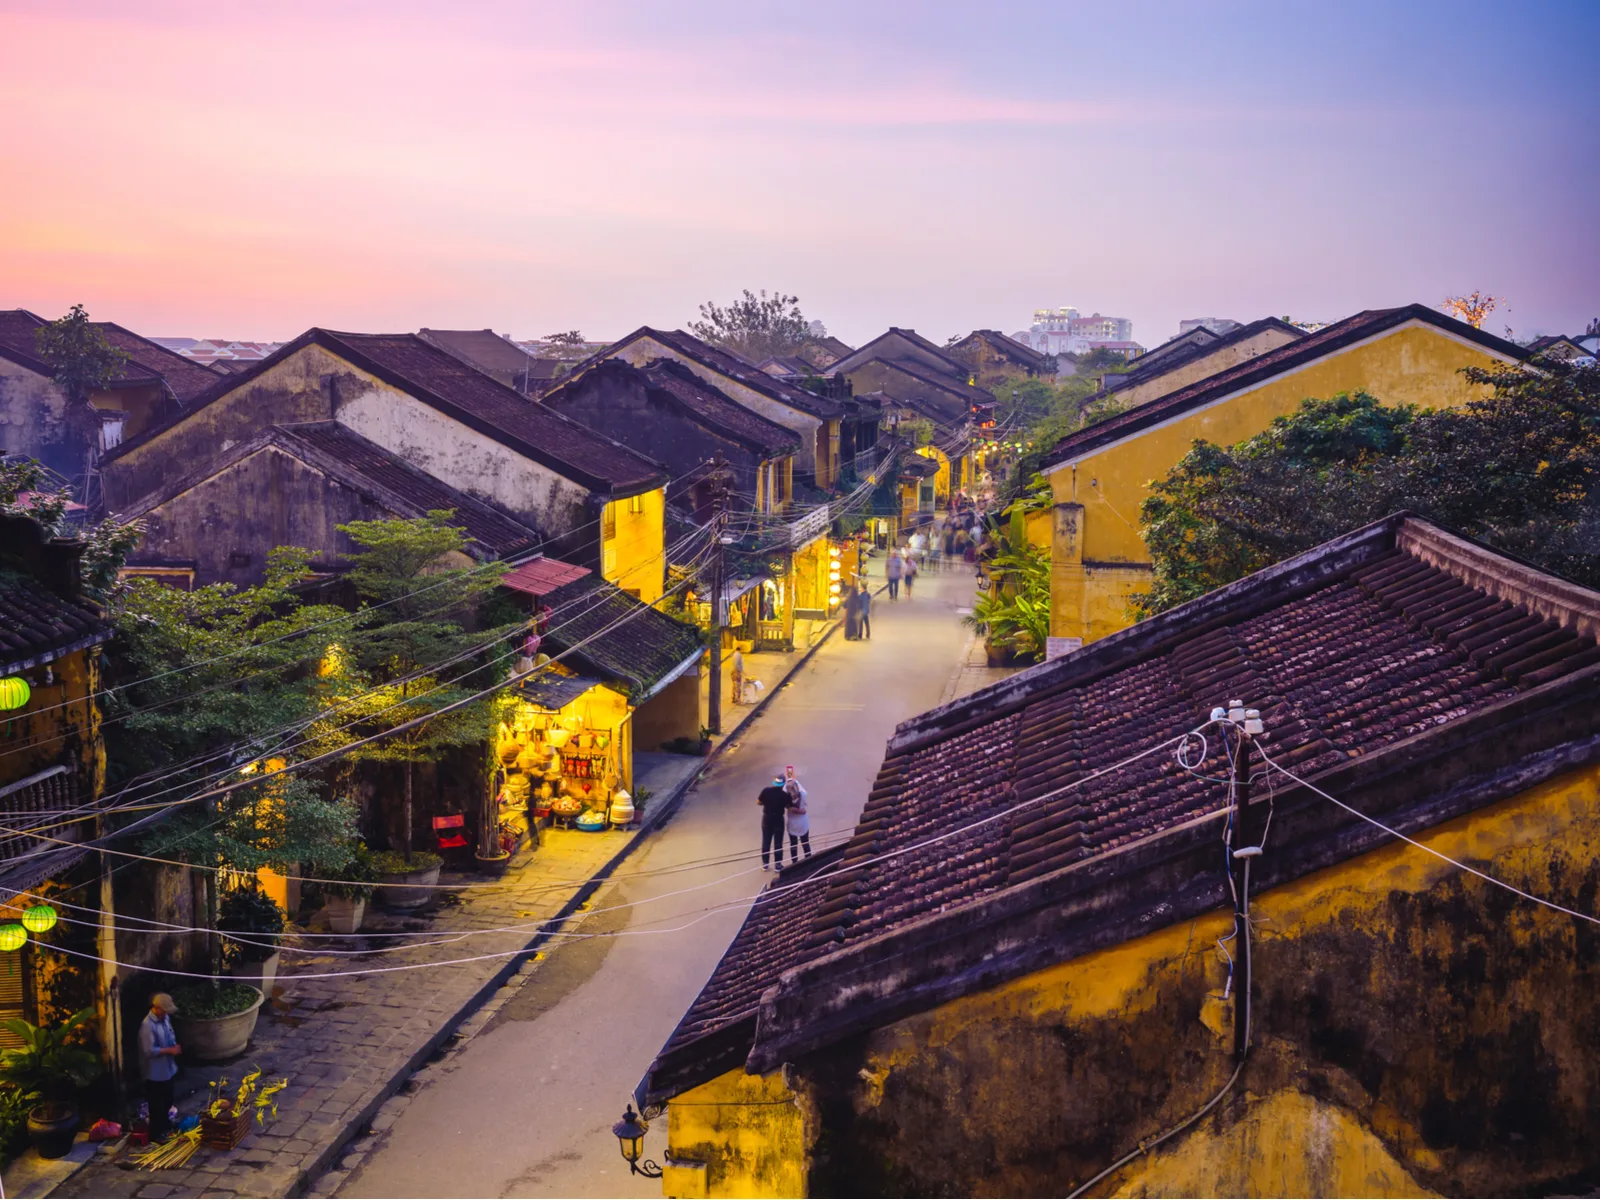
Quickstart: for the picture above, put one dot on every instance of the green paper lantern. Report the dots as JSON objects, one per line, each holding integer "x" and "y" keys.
{"x": 13, "y": 937}
{"x": 14, "y": 692}
{"x": 41, "y": 918}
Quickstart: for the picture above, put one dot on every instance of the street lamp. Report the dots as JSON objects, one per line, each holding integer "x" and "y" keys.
{"x": 630, "y": 1133}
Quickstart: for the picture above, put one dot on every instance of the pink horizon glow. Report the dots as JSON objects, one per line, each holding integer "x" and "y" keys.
{"x": 250, "y": 172}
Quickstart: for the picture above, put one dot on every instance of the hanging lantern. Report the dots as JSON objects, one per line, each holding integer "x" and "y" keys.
{"x": 40, "y": 918}
{"x": 14, "y": 692}
{"x": 13, "y": 937}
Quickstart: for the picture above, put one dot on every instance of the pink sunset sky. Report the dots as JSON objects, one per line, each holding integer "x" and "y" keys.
{"x": 251, "y": 170}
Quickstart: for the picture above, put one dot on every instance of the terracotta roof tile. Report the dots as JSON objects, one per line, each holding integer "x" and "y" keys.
{"x": 1375, "y": 654}
{"x": 37, "y": 625}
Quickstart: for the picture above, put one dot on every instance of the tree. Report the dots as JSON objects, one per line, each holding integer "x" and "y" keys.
{"x": 212, "y": 681}
{"x": 1473, "y": 308}
{"x": 1517, "y": 469}
{"x": 570, "y": 337}
{"x": 417, "y": 654}
{"x": 758, "y": 327}
{"x": 84, "y": 361}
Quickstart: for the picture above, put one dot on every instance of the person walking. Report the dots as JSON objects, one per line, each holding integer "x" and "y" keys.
{"x": 852, "y": 615}
{"x": 158, "y": 1063}
{"x": 908, "y": 573}
{"x": 774, "y": 803}
{"x": 797, "y": 820}
{"x": 738, "y": 675}
{"x": 892, "y": 571}
{"x": 864, "y": 612}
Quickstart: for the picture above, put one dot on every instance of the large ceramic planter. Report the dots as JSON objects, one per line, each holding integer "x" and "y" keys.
{"x": 345, "y": 913}
{"x": 51, "y": 1128}
{"x": 494, "y": 866}
{"x": 259, "y": 973}
{"x": 414, "y": 889}
{"x": 212, "y": 1039}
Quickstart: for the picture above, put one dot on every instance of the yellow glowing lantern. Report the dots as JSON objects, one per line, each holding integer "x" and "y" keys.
{"x": 14, "y": 692}
{"x": 833, "y": 551}
{"x": 834, "y": 587}
{"x": 13, "y": 937}
{"x": 40, "y": 918}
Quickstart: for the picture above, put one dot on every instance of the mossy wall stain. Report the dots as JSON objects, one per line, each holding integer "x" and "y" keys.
{"x": 750, "y": 1131}
{"x": 1435, "y": 1032}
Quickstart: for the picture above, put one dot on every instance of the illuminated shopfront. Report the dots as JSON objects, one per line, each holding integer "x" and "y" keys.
{"x": 564, "y": 751}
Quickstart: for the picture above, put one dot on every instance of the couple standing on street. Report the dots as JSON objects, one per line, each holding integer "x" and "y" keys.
{"x": 900, "y": 570}
{"x": 783, "y": 809}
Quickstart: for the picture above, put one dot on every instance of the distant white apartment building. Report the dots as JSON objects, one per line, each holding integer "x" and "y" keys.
{"x": 1067, "y": 331}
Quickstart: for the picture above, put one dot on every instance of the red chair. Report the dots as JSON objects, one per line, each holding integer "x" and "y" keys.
{"x": 448, "y": 840}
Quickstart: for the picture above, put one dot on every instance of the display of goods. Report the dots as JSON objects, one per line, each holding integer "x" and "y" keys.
{"x": 559, "y": 737}
{"x": 529, "y": 759}
{"x": 591, "y": 822}
{"x": 602, "y": 741}
{"x": 518, "y": 788}
{"x": 566, "y": 806}
{"x": 509, "y": 752}
{"x": 545, "y": 791}
{"x": 586, "y": 740}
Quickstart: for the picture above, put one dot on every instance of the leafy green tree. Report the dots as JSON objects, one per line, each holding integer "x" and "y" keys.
{"x": 567, "y": 337}
{"x": 758, "y": 327}
{"x": 419, "y": 652}
{"x": 1516, "y": 469}
{"x": 84, "y": 361}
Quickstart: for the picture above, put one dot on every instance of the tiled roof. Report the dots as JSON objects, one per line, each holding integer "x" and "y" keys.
{"x": 1290, "y": 355}
{"x": 541, "y": 576}
{"x": 550, "y": 690}
{"x": 734, "y": 367}
{"x": 949, "y": 364}
{"x": 406, "y": 362}
{"x": 1386, "y": 639}
{"x": 1009, "y": 346}
{"x": 36, "y": 625}
{"x": 147, "y": 360}
{"x": 1187, "y": 347}
{"x": 716, "y": 411}
{"x": 420, "y": 491}
{"x": 633, "y": 644}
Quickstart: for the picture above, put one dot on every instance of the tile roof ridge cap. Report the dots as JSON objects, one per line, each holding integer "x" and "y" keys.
{"x": 1502, "y": 575}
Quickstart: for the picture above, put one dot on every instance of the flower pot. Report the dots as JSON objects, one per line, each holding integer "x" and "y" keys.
{"x": 50, "y": 1128}
{"x": 212, "y": 1039}
{"x": 345, "y": 913}
{"x": 258, "y": 973}
{"x": 705, "y": 748}
{"x": 415, "y": 890}
{"x": 494, "y": 866}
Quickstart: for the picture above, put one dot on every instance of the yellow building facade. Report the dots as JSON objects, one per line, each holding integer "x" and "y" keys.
{"x": 633, "y": 545}
{"x": 1099, "y": 560}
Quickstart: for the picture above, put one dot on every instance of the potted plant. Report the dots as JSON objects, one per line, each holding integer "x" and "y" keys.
{"x": 705, "y": 741}
{"x": 345, "y": 901}
{"x": 251, "y": 924}
{"x": 406, "y": 883}
{"x": 215, "y": 1018}
{"x": 47, "y": 1069}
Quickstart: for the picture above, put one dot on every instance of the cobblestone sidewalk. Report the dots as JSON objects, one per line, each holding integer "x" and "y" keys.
{"x": 346, "y": 1043}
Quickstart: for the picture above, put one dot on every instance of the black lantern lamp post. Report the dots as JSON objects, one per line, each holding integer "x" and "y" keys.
{"x": 630, "y": 1133}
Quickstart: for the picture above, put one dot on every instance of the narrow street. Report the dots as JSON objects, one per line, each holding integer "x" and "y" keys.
{"x": 525, "y": 1108}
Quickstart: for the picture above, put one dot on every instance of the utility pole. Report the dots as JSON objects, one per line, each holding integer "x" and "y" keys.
{"x": 719, "y": 605}
{"x": 1247, "y": 834}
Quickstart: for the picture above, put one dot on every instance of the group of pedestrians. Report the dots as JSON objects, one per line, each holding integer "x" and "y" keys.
{"x": 901, "y": 571}
{"x": 858, "y": 613}
{"x": 783, "y": 811}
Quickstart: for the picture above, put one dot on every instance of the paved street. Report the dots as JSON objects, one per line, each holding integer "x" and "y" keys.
{"x": 525, "y": 1107}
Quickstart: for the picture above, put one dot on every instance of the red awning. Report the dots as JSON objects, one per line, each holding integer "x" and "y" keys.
{"x": 541, "y": 576}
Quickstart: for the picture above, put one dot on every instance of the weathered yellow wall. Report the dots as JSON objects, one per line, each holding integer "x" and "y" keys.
{"x": 941, "y": 480}
{"x": 748, "y": 1131}
{"x": 1412, "y": 365}
{"x": 59, "y": 724}
{"x": 1196, "y": 369}
{"x": 633, "y": 559}
{"x": 1416, "y": 1030}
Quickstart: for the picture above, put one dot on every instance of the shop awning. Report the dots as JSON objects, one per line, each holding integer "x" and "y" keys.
{"x": 550, "y": 690}
{"x": 734, "y": 588}
{"x": 541, "y": 576}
